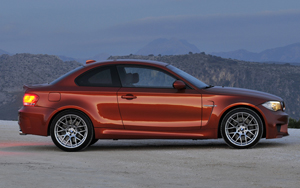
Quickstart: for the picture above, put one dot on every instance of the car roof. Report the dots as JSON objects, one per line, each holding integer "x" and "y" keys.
{"x": 129, "y": 61}
{"x": 92, "y": 65}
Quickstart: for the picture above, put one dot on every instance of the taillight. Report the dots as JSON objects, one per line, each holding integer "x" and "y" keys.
{"x": 30, "y": 99}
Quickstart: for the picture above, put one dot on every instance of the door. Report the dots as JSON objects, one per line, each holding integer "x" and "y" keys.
{"x": 148, "y": 101}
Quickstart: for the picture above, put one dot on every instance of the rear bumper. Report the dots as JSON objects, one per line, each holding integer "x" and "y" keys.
{"x": 34, "y": 120}
{"x": 20, "y": 130}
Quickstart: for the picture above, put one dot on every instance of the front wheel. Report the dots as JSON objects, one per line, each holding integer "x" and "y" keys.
{"x": 71, "y": 130}
{"x": 241, "y": 128}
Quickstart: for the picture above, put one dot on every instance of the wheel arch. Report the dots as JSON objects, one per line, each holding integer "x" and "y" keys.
{"x": 71, "y": 109}
{"x": 243, "y": 106}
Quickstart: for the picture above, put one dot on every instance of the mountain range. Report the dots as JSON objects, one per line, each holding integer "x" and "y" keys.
{"x": 98, "y": 57}
{"x": 164, "y": 46}
{"x": 160, "y": 46}
{"x": 3, "y": 52}
{"x": 287, "y": 54}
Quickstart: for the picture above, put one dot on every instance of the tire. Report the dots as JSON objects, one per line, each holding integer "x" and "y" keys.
{"x": 71, "y": 131}
{"x": 241, "y": 128}
{"x": 93, "y": 141}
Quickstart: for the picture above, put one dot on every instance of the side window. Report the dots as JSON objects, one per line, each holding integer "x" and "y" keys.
{"x": 98, "y": 77}
{"x": 139, "y": 76}
{"x": 101, "y": 77}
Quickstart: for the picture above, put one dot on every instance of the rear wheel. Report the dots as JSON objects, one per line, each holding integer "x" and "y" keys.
{"x": 71, "y": 130}
{"x": 241, "y": 128}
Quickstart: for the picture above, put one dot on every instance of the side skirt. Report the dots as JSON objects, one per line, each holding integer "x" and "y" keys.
{"x": 104, "y": 133}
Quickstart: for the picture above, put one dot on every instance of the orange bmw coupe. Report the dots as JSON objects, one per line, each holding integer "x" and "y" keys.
{"x": 136, "y": 99}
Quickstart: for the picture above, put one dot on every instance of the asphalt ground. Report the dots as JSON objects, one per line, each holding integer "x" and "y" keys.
{"x": 34, "y": 161}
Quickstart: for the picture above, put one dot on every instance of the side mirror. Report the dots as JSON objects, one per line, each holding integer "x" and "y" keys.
{"x": 178, "y": 84}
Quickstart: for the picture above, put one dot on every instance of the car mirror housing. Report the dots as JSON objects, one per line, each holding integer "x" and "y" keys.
{"x": 178, "y": 84}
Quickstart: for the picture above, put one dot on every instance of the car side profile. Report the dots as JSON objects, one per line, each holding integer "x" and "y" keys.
{"x": 138, "y": 99}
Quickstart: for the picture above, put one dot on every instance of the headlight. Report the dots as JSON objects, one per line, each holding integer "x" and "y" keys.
{"x": 274, "y": 105}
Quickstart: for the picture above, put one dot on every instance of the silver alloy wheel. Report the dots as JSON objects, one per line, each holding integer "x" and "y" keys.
{"x": 241, "y": 129}
{"x": 70, "y": 131}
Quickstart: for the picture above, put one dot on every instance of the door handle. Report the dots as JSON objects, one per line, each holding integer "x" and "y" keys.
{"x": 128, "y": 97}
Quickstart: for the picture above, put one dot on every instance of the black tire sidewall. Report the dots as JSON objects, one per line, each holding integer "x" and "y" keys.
{"x": 93, "y": 141}
{"x": 89, "y": 127}
{"x": 254, "y": 114}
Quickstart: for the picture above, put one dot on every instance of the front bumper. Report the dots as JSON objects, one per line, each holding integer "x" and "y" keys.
{"x": 276, "y": 123}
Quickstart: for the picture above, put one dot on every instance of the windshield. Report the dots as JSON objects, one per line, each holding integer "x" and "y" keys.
{"x": 65, "y": 75}
{"x": 188, "y": 77}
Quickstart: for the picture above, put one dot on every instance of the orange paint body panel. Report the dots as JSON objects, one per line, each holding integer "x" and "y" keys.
{"x": 160, "y": 109}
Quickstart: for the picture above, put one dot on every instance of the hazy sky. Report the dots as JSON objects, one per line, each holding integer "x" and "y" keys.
{"x": 84, "y": 28}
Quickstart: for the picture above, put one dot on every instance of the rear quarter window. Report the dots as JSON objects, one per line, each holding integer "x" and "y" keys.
{"x": 99, "y": 77}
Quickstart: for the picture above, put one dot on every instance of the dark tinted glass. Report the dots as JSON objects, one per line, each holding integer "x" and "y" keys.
{"x": 99, "y": 77}
{"x": 144, "y": 76}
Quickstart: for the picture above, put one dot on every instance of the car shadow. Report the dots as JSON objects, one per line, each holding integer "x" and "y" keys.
{"x": 110, "y": 145}
{"x": 271, "y": 144}
{"x": 173, "y": 144}
{"x": 155, "y": 146}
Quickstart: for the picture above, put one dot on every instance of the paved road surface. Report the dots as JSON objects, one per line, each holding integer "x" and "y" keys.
{"x": 33, "y": 161}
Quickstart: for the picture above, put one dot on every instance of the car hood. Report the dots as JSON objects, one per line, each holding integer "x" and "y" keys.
{"x": 243, "y": 92}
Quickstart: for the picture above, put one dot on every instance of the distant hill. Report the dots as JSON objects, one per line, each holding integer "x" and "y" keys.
{"x": 3, "y": 52}
{"x": 20, "y": 69}
{"x": 238, "y": 54}
{"x": 279, "y": 79}
{"x": 171, "y": 46}
{"x": 65, "y": 58}
{"x": 98, "y": 57}
{"x": 287, "y": 54}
